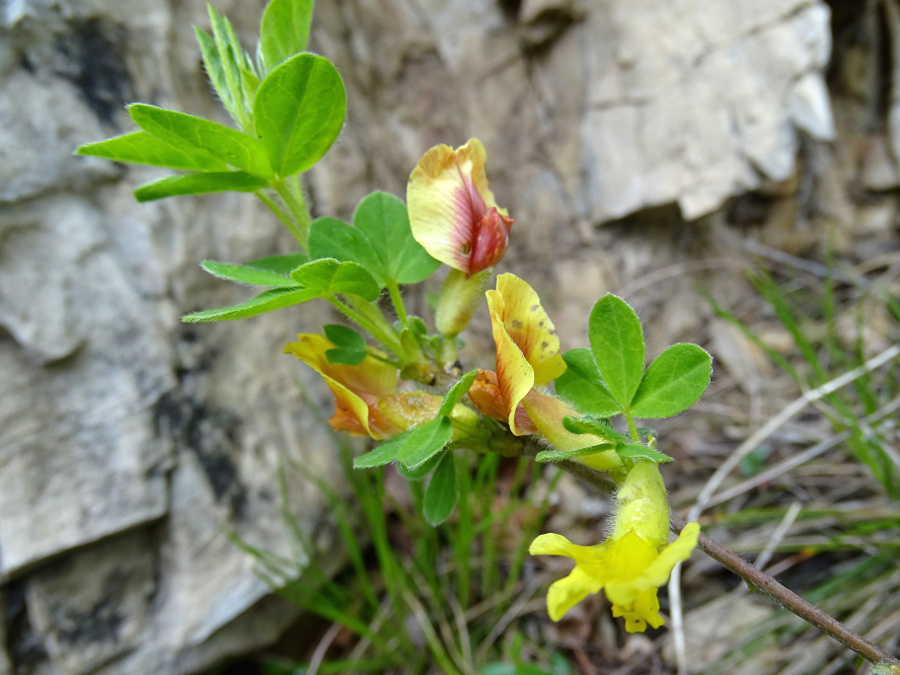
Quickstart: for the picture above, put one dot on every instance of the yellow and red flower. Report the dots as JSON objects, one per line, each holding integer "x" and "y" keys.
{"x": 528, "y": 358}
{"x": 366, "y": 399}
{"x": 629, "y": 565}
{"x": 527, "y": 352}
{"x": 452, "y": 211}
{"x": 453, "y": 215}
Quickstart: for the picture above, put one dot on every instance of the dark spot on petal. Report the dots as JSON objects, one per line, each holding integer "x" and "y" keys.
{"x": 534, "y": 308}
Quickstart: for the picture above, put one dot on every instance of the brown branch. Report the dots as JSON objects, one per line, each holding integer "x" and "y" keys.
{"x": 787, "y": 598}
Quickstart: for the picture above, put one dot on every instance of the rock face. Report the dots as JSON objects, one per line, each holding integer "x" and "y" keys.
{"x": 129, "y": 443}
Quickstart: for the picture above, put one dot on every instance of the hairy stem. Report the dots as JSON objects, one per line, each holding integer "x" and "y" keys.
{"x": 280, "y": 213}
{"x": 291, "y": 193}
{"x": 632, "y": 427}
{"x": 787, "y": 598}
{"x": 397, "y": 300}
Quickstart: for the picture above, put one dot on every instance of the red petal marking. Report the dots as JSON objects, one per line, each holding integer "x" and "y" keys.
{"x": 491, "y": 240}
{"x": 345, "y": 420}
{"x": 523, "y": 422}
{"x": 471, "y": 245}
{"x": 486, "y": 396}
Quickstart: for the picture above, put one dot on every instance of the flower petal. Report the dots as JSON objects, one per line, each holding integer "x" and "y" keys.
{"x": 355, "y": 388}
{"x": 486, "y": 396}
{"x": 657, "y": 572}
{"x": 644, "y": 609}
{"x": 564, "y": 594}
{"x": 371, "y": 378}
{"x": 491, "y": 240}
{"x": 354, "y": 415}
{"x": 556, "y": 544}
{"x": 448, "y": 198}
{"x": 530, "y": 328}
{"x": 515, "y": 376}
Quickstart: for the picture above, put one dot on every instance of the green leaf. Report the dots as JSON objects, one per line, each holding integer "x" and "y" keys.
{"x": 350, "y": 345}
{"x": 247, "y": 274}
{"x": 385, "y": 453}
{"x": 264, "y": 302}
{"x": 298, "y": 112}
{"x": 590, "y": 425}
{"x": 425, "y": 441}
{"x": 417, "y": 326}
{"x": 456, "y": 392}
{"x": 249, "y": 79}
{"x": 343, "y": 336}
{"x": 617, "y": 343}
{"x": 139, "y": 147}
{"x": 380, "y": 240}
{"x": 333, "y": 238}
{"x": 199, "y": 183}
{"x": 421, "y": 470}
{"x": 328, "y": 276}
{"x": 215, "y": 70}
{"x": 674, "y": 381}
{"x": 345, "y": 357}
{"x": 198, "y": 135}
{"x": 384, "y": 221}
{"x": 442, "y": 491}
{"x": 234, "y": 62}
{"x": 283, "y": 32}
{"x": 559, "y": 455}
{"x": 582, "y": 386}
{"x": 641, "y": 451}
{"x": 280, "y": 264}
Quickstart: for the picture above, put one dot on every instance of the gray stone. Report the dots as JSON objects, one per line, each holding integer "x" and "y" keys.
{"x": 93, "y": 608}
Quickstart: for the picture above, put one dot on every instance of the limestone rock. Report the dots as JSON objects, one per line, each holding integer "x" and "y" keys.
{"x": 130, "y": 444}
{"x": 633, "y": 105}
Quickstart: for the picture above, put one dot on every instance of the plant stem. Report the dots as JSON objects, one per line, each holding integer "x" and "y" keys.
{"x": 292, "y": 195}
{"x": 280, "y": 213}
{"x": 397, "y": 300}
{"x": 385, "y": 332}
{"x": 364, "y": 319}
{"x": 787, "y": 598}
{"x": 632, "y": 427}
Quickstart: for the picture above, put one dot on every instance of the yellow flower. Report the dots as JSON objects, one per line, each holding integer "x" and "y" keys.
{"x": 366, "y": 402}
{"x": 452, "y": 211}
{"x": 632, "y": 563}
{"x": 526, "y": 343}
